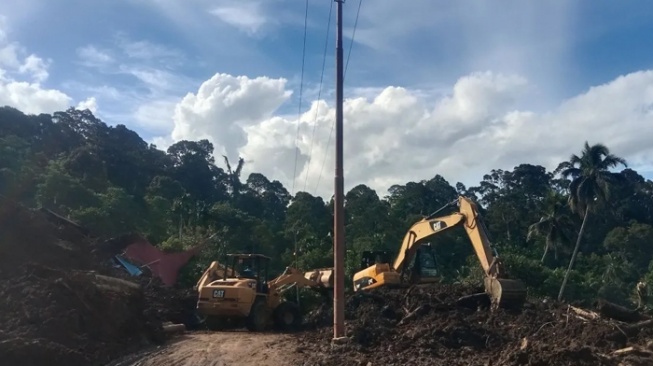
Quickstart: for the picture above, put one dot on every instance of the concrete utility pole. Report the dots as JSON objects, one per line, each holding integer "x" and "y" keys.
{"x": 339, "y": 214}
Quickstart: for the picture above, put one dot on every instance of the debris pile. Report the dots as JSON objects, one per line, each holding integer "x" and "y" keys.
{"x": 61, "y": 303}
{"x": 429, "y": 325}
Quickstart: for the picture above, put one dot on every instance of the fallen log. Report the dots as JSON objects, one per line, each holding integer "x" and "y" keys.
{"x": 421, "y": 310}
{"x": 633, "y": 351}
{"x": 630, "y": 329}
{"x": 474, "y": 301}
{"x": 112, "y": 283}
{"x": 174, "y": 328}
{"x": 618, "y": 312}
{"x": 584, "y": 313}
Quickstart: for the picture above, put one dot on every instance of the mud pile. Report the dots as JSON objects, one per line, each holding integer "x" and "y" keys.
{"x": 428, "y": 326}
{"x": 57, "y": 304}
{"x": 165, "y": 304}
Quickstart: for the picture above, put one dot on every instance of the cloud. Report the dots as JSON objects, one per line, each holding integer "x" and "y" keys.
{"x": 9, "y": 55}
{"x": 91, "y": 56}
{"x": 31, "y": 98}
{"x": 16, "y": 64}
{"x": 3, "y": 27}
{"x": 90, "y": 104}
{"x": 421, "y": 43}
{"x": 246, "y": 16}
{"x": 224, "y": 106}
{"x": 146, "y": 50}
{"x": 137, "y": 81}
{"x": 36, "y": 67}
{"x": 13, "y": 60}
{"x": 399, "y": 136}
{"x": 156, "y": 116}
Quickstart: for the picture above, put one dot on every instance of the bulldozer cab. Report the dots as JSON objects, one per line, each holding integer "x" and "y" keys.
{"x": 251, "y": 266}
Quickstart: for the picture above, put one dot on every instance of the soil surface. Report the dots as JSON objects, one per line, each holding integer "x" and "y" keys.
{"x": 427, "y": 326}
{"x": 62, "y": 302}
{"x": 221, "y": 349}
{"x": 422, "y": 326}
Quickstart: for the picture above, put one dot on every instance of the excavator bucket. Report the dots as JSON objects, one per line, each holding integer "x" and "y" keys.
{"x": 505, "y": 293}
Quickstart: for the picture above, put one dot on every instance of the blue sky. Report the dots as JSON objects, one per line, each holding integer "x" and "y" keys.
{"x": 139, "y": 58}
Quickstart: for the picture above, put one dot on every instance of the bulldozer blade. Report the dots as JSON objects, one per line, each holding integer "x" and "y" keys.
{"x": 323, "y": 276}
{"x": 505, "y": 293}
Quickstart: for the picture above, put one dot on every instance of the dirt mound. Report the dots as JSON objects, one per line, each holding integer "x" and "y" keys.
{"x": 427, "y": 325}
{"x": 61, "y": 301}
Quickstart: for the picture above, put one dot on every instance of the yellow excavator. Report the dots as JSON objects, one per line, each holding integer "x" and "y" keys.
{"x": 377, "y": 270}
{"x": 239, "y": 292}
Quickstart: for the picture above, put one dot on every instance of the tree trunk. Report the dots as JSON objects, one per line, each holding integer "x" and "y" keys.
{"x": 573, "y": 256}
{"x": 546, "y": 250}
{"x": 181, "y": 221}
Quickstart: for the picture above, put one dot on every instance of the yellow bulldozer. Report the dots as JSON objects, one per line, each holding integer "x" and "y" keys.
{"x": 378, "y": 271}
{"x": 239, "y": 293}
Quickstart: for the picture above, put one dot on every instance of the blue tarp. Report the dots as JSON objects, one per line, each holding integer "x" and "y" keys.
{"x": 131, "y": 268}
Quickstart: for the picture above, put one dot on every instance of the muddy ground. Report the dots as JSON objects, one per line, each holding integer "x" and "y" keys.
{"x": 440, "y": 331}
{"x": 203, "y": 348}
{"x": 56, "y": 306}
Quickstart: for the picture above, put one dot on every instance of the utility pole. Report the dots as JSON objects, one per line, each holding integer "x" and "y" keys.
{"x": 339, "y": 217}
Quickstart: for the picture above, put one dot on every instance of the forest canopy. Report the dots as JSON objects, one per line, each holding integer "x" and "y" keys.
{"x": 592, "y": 208}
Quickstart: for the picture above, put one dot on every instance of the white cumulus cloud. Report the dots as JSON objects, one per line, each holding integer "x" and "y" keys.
{"x": 224, "y": 106}
{"x": 28, "y": 96}
{"x": 90, "y": 104}
{"x": 399, "y": 136}
{"x": 31, "y": 98}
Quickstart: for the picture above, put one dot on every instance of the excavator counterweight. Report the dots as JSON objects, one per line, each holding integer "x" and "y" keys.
{"x": 503, "y": 292}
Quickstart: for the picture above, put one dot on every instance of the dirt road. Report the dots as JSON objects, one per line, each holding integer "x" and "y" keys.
{"x": 220, "y": 349}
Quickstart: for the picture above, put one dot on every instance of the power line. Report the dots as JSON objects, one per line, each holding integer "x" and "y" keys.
{"x": 351, "y": 45}
{"x": 353, "y": 35}
{"x": 319, "y": 94}
{"x": 299, "y": 109}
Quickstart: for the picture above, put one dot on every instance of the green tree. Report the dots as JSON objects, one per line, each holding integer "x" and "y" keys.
{"x": 591, "y": 183}
{"x": 554, "y": 226}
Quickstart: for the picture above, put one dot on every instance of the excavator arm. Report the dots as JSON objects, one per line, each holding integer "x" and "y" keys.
{"x": 500, "y": 290}
{"x": 428, "y": 227}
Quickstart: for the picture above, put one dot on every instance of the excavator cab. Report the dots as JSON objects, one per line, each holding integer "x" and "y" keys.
{"x": 423, "y": 266}
{"x": 371, "y": 257}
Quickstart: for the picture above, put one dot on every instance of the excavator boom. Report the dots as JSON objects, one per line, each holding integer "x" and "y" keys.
{"x": 503, "y": 292}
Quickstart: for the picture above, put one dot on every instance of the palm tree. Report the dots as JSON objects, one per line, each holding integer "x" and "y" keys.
{"x": 233, "y": 176}
{"x": 554, "y": 226}
{"x": 590, "y": 186}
